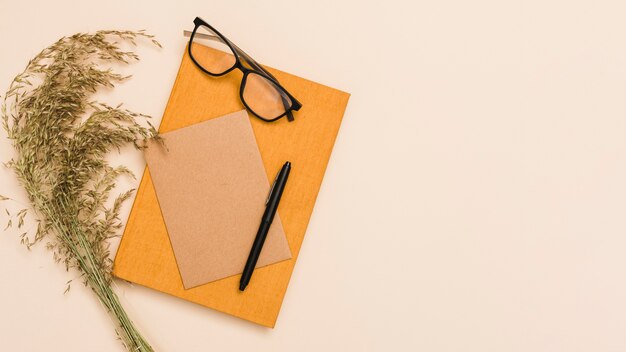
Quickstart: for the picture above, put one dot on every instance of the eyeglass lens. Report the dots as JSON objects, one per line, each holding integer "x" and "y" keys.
{"x": 214, "y": 62}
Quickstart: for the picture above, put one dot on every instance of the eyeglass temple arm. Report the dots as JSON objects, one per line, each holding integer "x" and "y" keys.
{"x": 251, "y": 61}
{"x": 187, "y": 33}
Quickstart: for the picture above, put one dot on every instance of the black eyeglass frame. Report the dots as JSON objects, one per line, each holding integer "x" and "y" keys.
{"x": 256, "y": 68}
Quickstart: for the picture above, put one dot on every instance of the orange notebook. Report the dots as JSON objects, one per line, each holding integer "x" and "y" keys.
{"x": 145, "y": 254}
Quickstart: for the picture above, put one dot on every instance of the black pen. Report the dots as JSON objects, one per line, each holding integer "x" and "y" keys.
{"x": 271, "y": 205}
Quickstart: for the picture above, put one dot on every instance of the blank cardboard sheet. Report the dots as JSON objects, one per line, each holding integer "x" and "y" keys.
{"x": 211, "y": 186}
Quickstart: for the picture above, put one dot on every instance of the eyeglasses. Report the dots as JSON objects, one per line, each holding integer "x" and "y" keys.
{"x": 260, "y": 91}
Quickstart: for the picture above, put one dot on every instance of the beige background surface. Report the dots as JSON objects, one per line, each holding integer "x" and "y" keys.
{"x": 475, "y": 199}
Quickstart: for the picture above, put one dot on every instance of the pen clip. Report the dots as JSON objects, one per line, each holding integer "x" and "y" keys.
{"x": 272, "y": 188}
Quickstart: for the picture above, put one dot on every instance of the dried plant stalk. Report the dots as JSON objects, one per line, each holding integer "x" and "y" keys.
{"x": 61, "y": 139}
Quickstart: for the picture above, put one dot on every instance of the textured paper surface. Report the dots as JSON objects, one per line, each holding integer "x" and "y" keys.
{"x": 145, "y": 255}
{"x": 211, "y": 186}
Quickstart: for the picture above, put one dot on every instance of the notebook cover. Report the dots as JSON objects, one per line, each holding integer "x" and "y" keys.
{"x": 145, "y": 255}
{"x": 211, "y": 185}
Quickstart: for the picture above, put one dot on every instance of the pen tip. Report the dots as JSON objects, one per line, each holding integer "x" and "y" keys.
{"x": 242, "y": 287}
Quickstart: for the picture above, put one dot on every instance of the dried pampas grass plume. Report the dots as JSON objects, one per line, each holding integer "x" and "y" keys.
{"x": 61, "y": 138}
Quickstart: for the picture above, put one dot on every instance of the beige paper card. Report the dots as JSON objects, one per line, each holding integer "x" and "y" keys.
{"x": 211, "y": 186}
